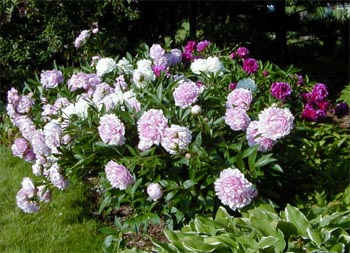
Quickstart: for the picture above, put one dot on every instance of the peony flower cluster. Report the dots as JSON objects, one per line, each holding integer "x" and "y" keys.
{"x": 154, "y": 191}
{"x": 118, "y": 175}
{"x": 51, "y": 78}
{"x": 233, "y": 189}
{"x": 28, "y": 197}
{"x": 281, "y": 90}
{"x": 186, "y": 93}
{"x": 211, "y": 65}
{"x": 111, "y": 130}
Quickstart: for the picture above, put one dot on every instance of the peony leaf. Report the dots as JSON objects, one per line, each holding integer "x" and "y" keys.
{"x": 297, "y": 218}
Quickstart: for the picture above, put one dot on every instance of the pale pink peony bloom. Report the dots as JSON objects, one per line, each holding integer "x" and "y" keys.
{"x": 237, "y": 119}
{"x": 83, "y": 81}
{"x": 176, "y": 139}
{"x": 43, "y": 193}
{"x": 25, "y": 125}
{"x": 111, "y": 130}
{"x": 25, "y": 103}
{"x": 82, "y": 38}
{"x": 154, "y": 190}
{"x": 53, "y": 135}
{"x": 19, "y": 147}
{"x": 239, "y": 97}
{"x": 55, "y": 177}
{"x": 38, "y": 166}
{"x": 156, "y": 51}
{"x": 38, "y": 143}
{"x": 275, "y": 123}
{"x": 151, "y": 127}
{"x": 25, "y": 197}
{"x": 51, "y": 78}
{"x": 118, "y": 175}
{"x": 254, "y": 137}
{"x": 233, "y": 189}
{"x": 13, "y": 96}
{"x": 101, "y": 91}
{"x": 186, "y": 94}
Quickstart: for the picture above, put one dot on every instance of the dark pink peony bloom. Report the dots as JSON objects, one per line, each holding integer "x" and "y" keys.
{"x": 319, "y": 93}
{"x": 280, "y": 90}
{"x": 242, "y": 52}
{"x": 250, "y": 65}
{"x": 202, "y": 45}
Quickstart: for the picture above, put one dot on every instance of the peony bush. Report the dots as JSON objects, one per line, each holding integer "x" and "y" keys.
{"x": 167, "y": 133}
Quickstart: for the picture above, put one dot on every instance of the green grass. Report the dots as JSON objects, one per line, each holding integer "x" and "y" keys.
{"x": 63, "y": 226}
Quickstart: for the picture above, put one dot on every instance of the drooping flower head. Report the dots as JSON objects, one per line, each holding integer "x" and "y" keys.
{"x": 51, "y": 78}
{"x": 250, "y": 65}
{"x": 281, "y": 90}
{"x": 111, "y": 130}
{"x": 118, "y": 175}
{"x": 151, "y": 127}
{"x": 233, "y": 189}
{"x": 239, "y": 97}
{"x": 176, "y": 139}
{"x": 154, "y": 190}
{"x": 186, "y": 94}
{"x": 275, "y": 123}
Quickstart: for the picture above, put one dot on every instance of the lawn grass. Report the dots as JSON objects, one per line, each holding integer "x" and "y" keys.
{"x": 63, "y": 226}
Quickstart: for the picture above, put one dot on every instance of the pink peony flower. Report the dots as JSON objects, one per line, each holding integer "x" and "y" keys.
{"x": 13, "y": 96}
{"x": 176, "y": 139}
{"x": 242, "y": 52}
{"x": 151, "y": 127}
{"x": 43, "y": 193}
{"x": 239, "y": 97}
{"x": 38, "y": 143}
{"x": 233, "y": 189}
{"x": 55, "y": 177}
{"x": 51, "y": 78}
{"x": 186, "y": 94}
{"x": 25, "y": 197}
{"x": 254, "y": 138}
{"x": 275, "y": 123}
{"x": 154, "y": 190}
{"x": 202, "y": 45}
{"x": 111, "y": 130}
{"x": 250, "y": 65}
{"x": 53, "y": 135}
{"x": 118, "y": 175}
{"x": 237, "y": 118}
{"x": 83, "y": 81}
{"x": 82, "y": 38}
{"x": 19, "y": 147}
{"x": 156, "y": 51}
{"x": 29, "y": 155}
{"x": 280, "y": 90}
{"x": 25, "y": 103}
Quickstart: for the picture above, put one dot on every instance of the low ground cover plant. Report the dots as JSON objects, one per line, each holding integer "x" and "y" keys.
{"x": 171, "y": 133}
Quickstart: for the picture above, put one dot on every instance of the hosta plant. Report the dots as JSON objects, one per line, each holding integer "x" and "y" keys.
{"x": 263, "y": 229}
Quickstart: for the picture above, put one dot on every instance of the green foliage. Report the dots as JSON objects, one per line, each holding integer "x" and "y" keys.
{"x": 262, "y": 229}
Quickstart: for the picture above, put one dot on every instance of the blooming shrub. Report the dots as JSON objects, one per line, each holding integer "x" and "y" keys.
{"x": 160, "y": 132}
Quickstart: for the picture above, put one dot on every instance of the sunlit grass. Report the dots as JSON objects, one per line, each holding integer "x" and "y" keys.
{"x": 64, "y": 225}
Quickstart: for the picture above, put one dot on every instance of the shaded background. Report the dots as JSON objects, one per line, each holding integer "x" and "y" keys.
{"x": 312, "y": 35}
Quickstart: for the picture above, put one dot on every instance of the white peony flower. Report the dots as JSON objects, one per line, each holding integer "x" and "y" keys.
{"x": 105, "y": 65}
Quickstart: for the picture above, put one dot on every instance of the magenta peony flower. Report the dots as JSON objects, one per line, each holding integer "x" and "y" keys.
{"x": 190, "y": 46}
{"x": 111, "y": 130}
{"x": 319, "y": 93}
{"x": 275, "y": 123}
{"x": 154, "y": 190}
{"x": 157, "y": 70}
{"x": 151, "y": 127}
{"x": 186, "y": 94}
{"x": 233, "y": 189}
{"x": 239, "y": 97}
{"x": 312, "y": 113}
{"x": 242, "y": 52}
{"x": 250, "y": 65}
{"x": 51, "y": 78}
{"x": 202, "y": 45}
{"x": 232, "y": 86}
{"x": 254, "y": 137}
{"x": 176, "y": 139}
{"x": 118, "y": 175}
{"x": 237, "y": 118}
{"x": 280, "y": 90}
